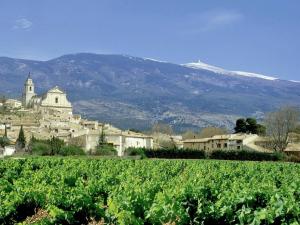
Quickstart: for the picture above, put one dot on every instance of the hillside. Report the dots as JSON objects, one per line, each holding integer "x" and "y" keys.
{"x": 135, "y": 92}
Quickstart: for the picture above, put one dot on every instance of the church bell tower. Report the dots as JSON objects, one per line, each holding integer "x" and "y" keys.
{"x": 28, "y": 92}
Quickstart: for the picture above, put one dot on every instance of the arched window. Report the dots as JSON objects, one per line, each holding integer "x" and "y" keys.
{"x": 30, "y": 88}
{"x": 56, "y": 100}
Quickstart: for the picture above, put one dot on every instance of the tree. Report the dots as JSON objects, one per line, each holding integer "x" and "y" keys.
{"x": 211, "y": 131}
{"x": 102, "y": 139}
{"x": 5, "y": 131}
{"x": 104, "y": 148}
{"x": 21, "y": 141}
{"x": 261, "y": 130}
{"x": 279, "y": 124}
{"x": 240, "y": 126}
{"x": 55, "y": 145}
{"x": 249, "y": 126}
{"x": 4, "y": 141}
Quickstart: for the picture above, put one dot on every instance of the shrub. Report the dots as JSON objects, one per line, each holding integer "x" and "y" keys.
{"x": 135, "y": 152}
{"x": 105, "y": 149}
{"x": 4, "y": 141}
{"x": 40, "y": 148}
{"x": 175, "y": 153}
{"x": 246, "y": 155}
{"x": 71, "y": 150}
{"x": 56, "y": 144}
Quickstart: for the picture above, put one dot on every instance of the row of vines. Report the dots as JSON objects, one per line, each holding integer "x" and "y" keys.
{"x": 78, "y": 191}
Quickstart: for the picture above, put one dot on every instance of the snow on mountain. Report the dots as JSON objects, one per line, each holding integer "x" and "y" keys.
{"x": 155, "y": 60}
{"x": 247, "y": 74}
{"x": 204, "y": 66}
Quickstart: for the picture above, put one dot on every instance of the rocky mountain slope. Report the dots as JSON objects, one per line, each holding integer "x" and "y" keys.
{"x": 132, "y": 92}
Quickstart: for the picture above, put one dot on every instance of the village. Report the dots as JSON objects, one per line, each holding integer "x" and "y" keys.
{"x": 51, "y": 115}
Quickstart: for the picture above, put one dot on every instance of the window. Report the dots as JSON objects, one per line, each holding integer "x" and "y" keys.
{"x": 30, "y": 88}
{"x": 218, "y": 145}
{"x": 56, "y": 100}
{"x": 225, "y": 145}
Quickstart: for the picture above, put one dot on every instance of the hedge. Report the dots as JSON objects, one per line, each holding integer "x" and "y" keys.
{"x": 246, "y": 155}
{"x": 200, "y": 154}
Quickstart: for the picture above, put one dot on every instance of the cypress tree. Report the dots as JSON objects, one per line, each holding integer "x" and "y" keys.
{"x": 5, "y": 132}
{"x": 101, "y": 140}
{"x": 21, "y": 141}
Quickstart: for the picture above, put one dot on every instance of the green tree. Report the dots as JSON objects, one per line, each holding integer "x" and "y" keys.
{"x": 261, "y": 130}
{"x": 102, "y": 139}
{"x": 249, "y": 126}
{"x": 21, "y": 141}
{"x": 104, "y": 148}
{"x": 55, "y": 144}
{"x": 241, "y": 126}
{"x": 5, "y": 131}
{"x": 4, "y": 141}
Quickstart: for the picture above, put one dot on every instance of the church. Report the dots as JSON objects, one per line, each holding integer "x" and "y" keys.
{"x": 52, "y": 102}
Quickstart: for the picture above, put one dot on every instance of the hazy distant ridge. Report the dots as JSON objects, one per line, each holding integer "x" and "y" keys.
{"x": 135, "y": 92}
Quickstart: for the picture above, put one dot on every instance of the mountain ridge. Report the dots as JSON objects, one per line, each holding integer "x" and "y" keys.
{"x": 134, "y": 92}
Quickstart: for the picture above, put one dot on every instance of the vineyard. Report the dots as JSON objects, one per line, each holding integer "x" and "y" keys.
{"x": 90, "y": 191}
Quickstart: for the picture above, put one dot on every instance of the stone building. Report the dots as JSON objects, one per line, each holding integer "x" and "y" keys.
{"x": 54, "y": 101}
{"x": 225, "y": 142}
{"x": 127, "y": 139}
{"x": 50, "y": 115}
{"x": 12, "y": 104}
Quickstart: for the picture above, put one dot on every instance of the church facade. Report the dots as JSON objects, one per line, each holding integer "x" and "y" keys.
{"x": 53, "y": 101}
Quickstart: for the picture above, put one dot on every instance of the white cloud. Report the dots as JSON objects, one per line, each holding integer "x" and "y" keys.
{"x": 22, "y": 23}
{"x": 212, "y": 20}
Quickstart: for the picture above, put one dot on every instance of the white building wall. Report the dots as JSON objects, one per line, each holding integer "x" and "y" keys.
{"x": 9, "y": 150}
{"x": 50, "y": 100}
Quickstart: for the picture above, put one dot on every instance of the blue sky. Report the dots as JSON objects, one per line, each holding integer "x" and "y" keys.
{"x": 254, "y": 36}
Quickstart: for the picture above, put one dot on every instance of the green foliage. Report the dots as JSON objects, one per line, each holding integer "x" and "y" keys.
{"x": 76, "y": 191}
{"x": 249, "y": 125}
{"x": 5, "y": 131}
{"x": 55, "y": 145}
{"x": 136, "y": 152}
{"x": 246, "y": 155}
{"x": 21, "y": 141}
{"x": 4, "y": 141}
{"x": 105, "y": 149}
{"x": 175, "y": 153}
{"x": 71, "y": 150}
{"x": 102, "y": 139}
{"x": 40, "y": 148}
{"x": 242, "y": 155}
{"x": 261, "y": 130}
{"x": 241, "y": 126}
